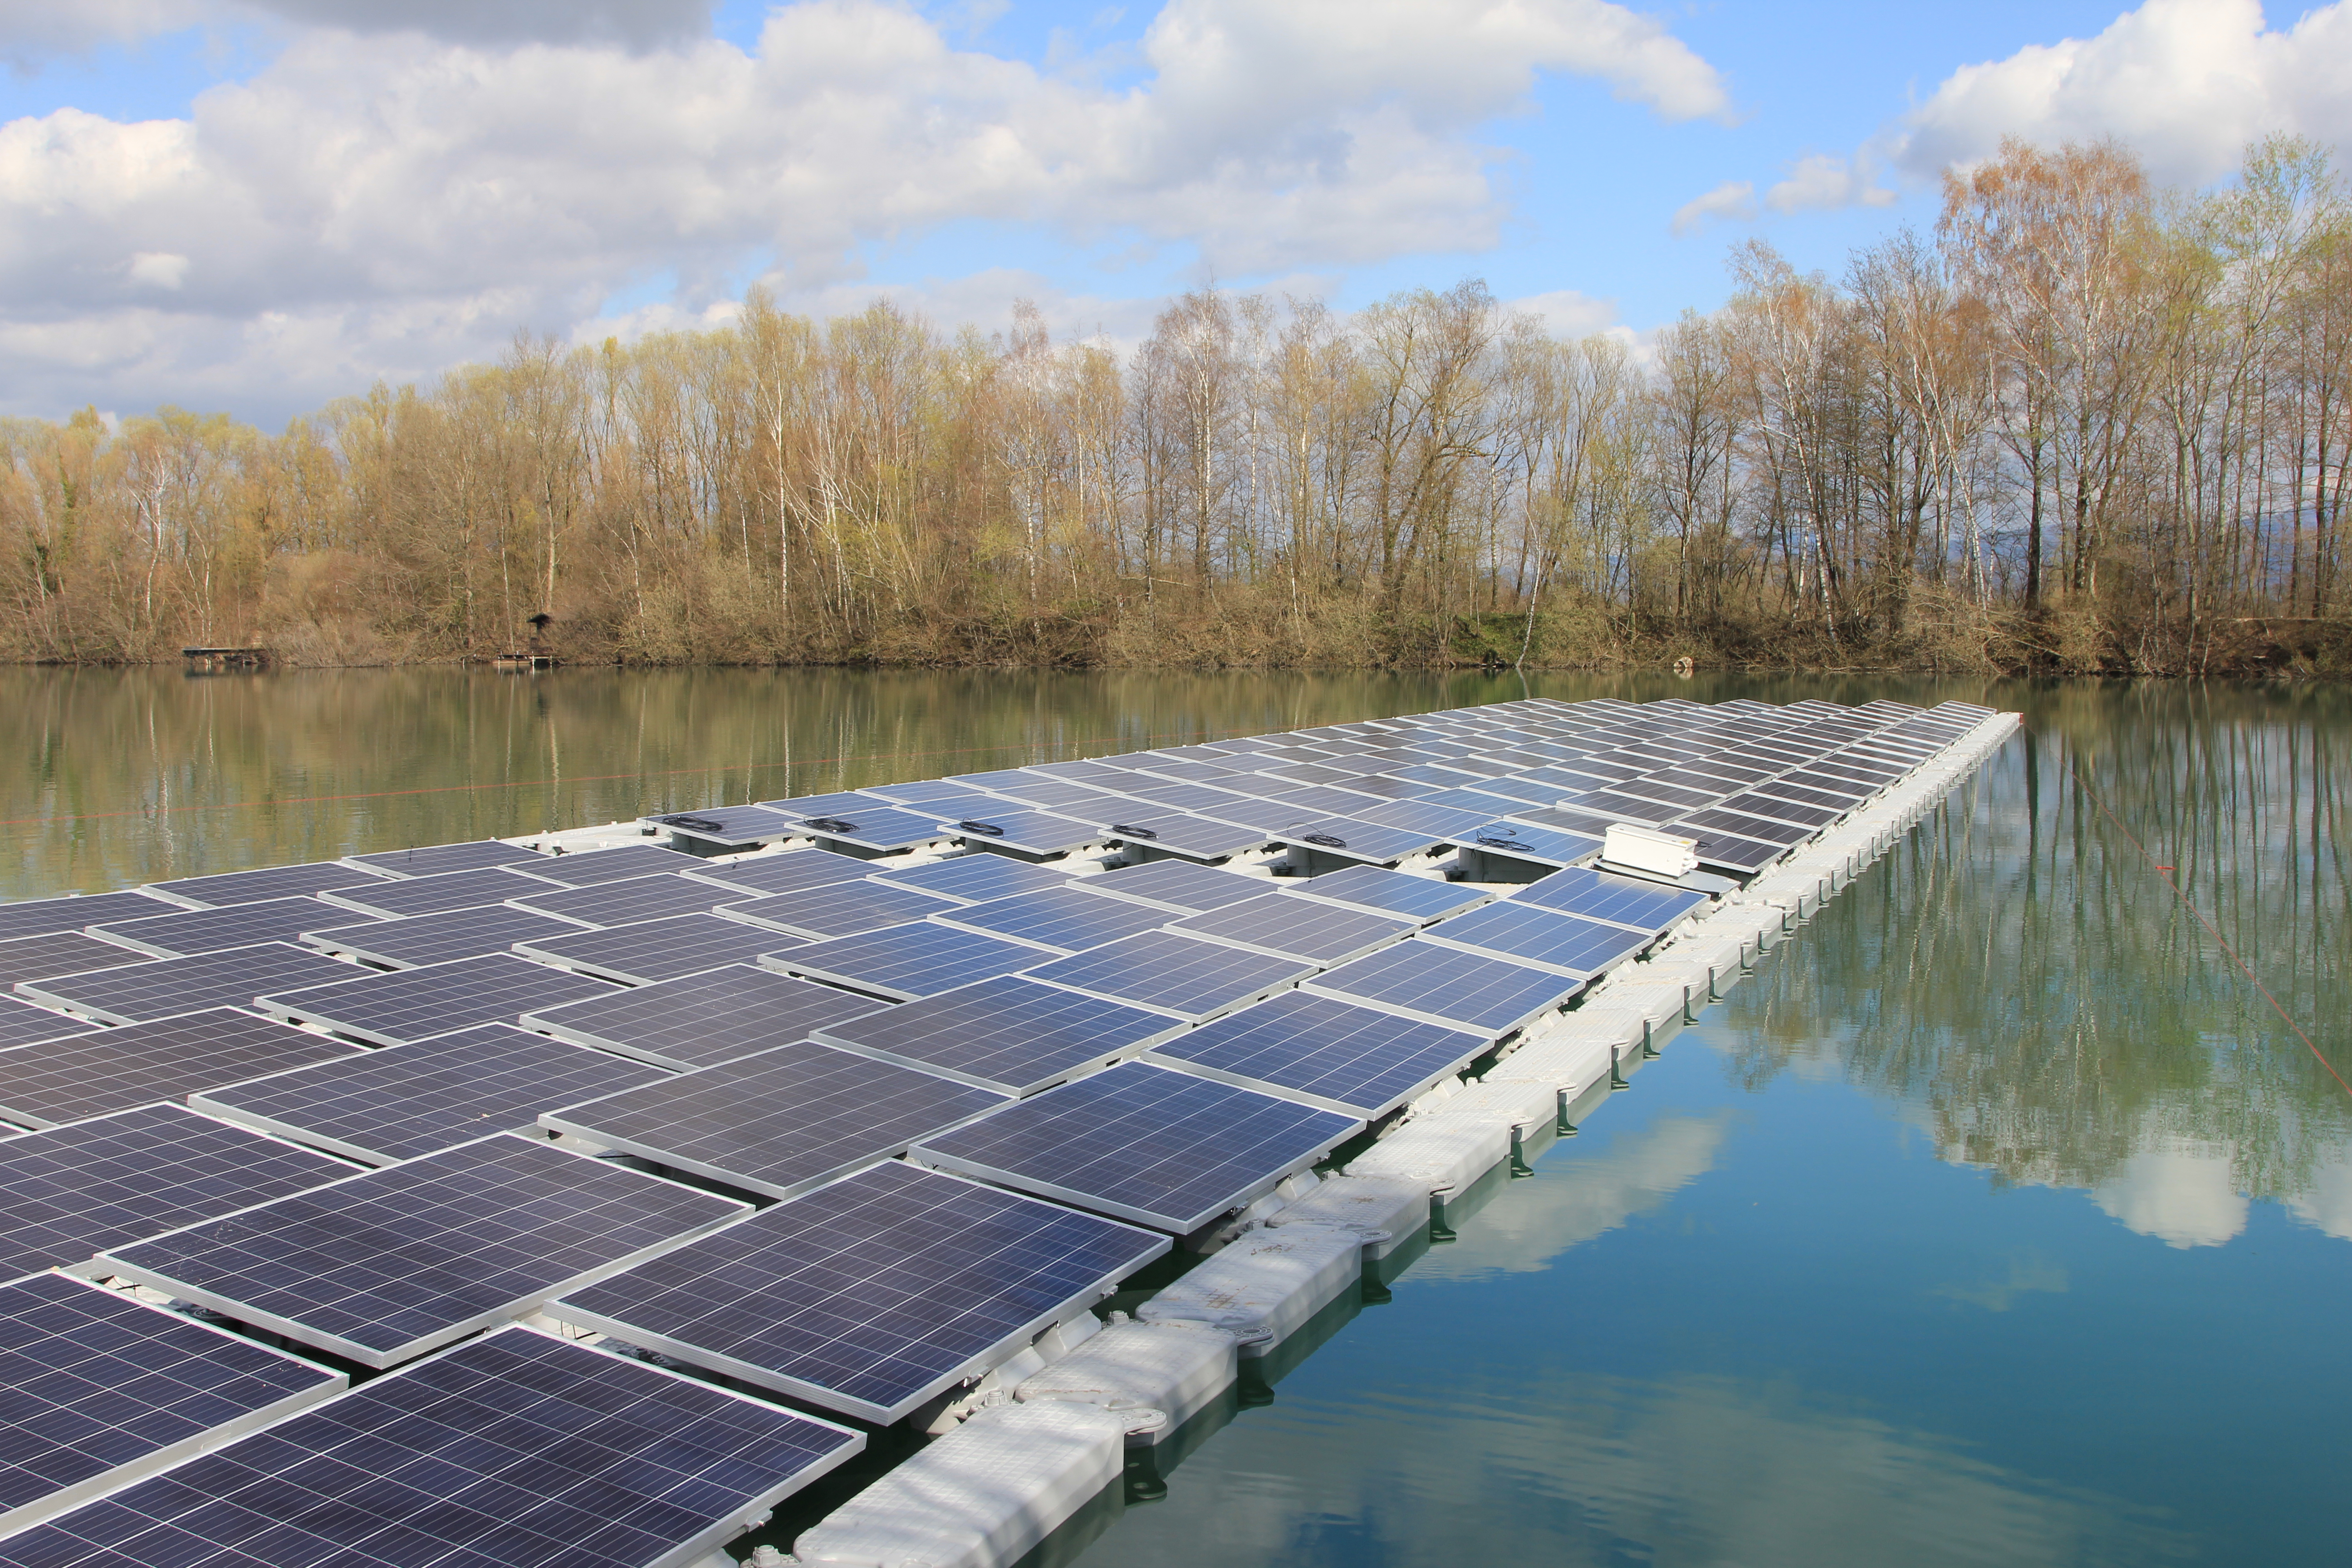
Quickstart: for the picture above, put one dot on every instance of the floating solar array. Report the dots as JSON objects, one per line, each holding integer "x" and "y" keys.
{"x": 872, "y": 1295}
{"x": 268, "y": 882}
{"x": 1319, "y": 1050}
{"x": 414, "y": 1003}
{"x": 383, "y": 1266}
{"x": 655, "y": 951}
{"x": 420, "y": 939}
{"x": 151, "y": 1064}
{"x": 627, "y": 901}
{"x": 432, "y": 895}
{"x": 21, "y": 1023}
{"x": 432, "y": 859}
{"x": 137, "y": 992}
{"x": 703, "y": 1020}
{"x": 193, "y": 931}
{"x": 1011, "y": 1034}
{"x": 40, "y": 917}
{"x": 59, "y": 953}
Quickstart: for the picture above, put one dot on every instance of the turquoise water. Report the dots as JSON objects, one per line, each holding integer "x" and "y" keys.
{"x": 1999, "y": 1218}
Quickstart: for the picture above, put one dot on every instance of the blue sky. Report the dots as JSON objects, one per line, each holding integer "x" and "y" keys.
{"x": 258, "y": 204}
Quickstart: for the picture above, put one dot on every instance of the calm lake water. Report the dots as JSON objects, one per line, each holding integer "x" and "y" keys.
{"x": 2000, "y": 1218}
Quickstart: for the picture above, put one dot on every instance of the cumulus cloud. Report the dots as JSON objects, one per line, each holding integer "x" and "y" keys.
{"x": 2186, "y": 83}
{"x": 1568, "y": 313}
{"x": 1823, "y": 181}
{"x": 2185, "y": 1196}
{"x": 1733, "y": 200}
{"x": 388, "y": 202}
{"x": 31, "y": 29}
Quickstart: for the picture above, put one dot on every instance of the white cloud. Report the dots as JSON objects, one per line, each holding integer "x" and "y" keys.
{"x": 31, "y": 29}
{"x": 159, "y": 268}
{"x": 1823, "y": 181}
{"x": 2185, "y": 1196}
{"x": 384, "y": 205}
{"x": 1733, "y": 200}
{"x": 2187, "y": 83}
{"x": 1568, "y": 313}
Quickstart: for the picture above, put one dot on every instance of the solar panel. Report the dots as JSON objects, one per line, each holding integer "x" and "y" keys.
{"x": 656, "y": 950}
{"x": 1619, "y": 901}
{"x": 1023, "y": 832}
{"x": 1773, "y": 805}
{"x": 590, "y": 867}
{"x": 1821, "y": 789}
{"x": 1290, "y": 926}
{"x": 1421, "y": 899}
{"x": 702, "y": 1019}
{"x": 1062, "y": 919}
{"x": 1514, "y": 930}
{"x": 1172, "y": 795}
{"x": 1178, "y": 833}
{"x": 1010, "y": 1034}
{"x": 1729, "y": 851}
{"x": 411, "y": 1004}
{"x": 1056, "y": 793}
{"x": 1145, "y": 1144}
{"x": 431, "y": 895}
{"x": 1321, "y": 1051}
{"x": 656, "y": 1469}
{"x": 1181, "y": 975}
{"x": 150, "y": 1063}
{"x": 780, "y": 1122}
{"x": 382, "y": 1266}
{"x": 923, "y": 958}
{"x": 974, "y": 878}
{"x": 135, "y": 992}
{"x": 68, "y": 1191}
{"x": 42, "y": 917}
{"x": 875, "y": 826}
{"x": 402, "y": 1101}
{"x": 103, "y": 1389}
{"x": 1762, "y": 829}
{"x": 421, "y": 940}
{"x": 782, "y": 872}
{"x": 915, "y": 790}
{"x": 59, "y": 953}
{"x": 267, "y": 882}
{"x": 1445, "y": 985}
{"x": 632, "y": 902}
{"x": 1545, "y": 846}
{"x": 1446, "y": 822}
{"x": 802, "y": 806}
{"x": 1349, "y": 838}
{"x": 1174, "y": 885}
{"x": 840, "y": 908}
{"x": 432, "y": 859}
{"x": 726, "y": 826}
{"x": 871, "y": 1296}
{"x": 23, "y": 1024}
{"x": 193, "y": 931}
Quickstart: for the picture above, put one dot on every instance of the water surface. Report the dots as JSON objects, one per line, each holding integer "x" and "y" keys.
{"x": 2000, "y": 1218}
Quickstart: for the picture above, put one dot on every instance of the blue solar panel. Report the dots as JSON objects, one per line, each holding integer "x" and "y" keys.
{"x": 779, "y": 1122}
{"x": 632, "y": 901}
{"x": 23, "y": 1024}
{"x": 59, "y": 953}
{"x": 400, "y": 1101}
{"x": 102, "y": 1389}
{"x": 193, "y": 931}
{"x": 974, "y": 878}
{"x": 1181, "y": 975}
{"x": 701, "y": 1020}
{"x": 870, "y": 1296}
{"x": 1025, "y": 832}
{"x": 432, "y": 859}
{"x": 1011, "y": 1034}
{"x": 1729, "y": 852}
{"x": 657, "y": 949}
{"x": 1174, "y": 885}
{"x": 921, "y": 959}
{"x": 1352, "y": 839}
{"x": 1619, "y": 901}
{"x": 1311, "y": 930}
{"x": 1446, "y": 822}
{"x": 1062, "y": 919}
{"x": 1761, "y": 829}
{"x": 413, "y": 1003}
{"x": 1545, "y": 846}
{"x": 421, "y": 940}
{"x": 150, "y": 1063}
{"x": 382, "y": 1266}
{"x": 839, "y": 909}
{"x": 1321, "y": 1051}
{"x": 877, "y": 826}
{"x": 1445, "y": 985}
{"x": 1178, "y": 833}
{"x": 43, "y": 917}
{"x": 655, "y": 1469}
{"x": 1521, "y": 931}
{"x": 431, "y": 895}
{"x": 728, "y": 825}
{"x": 135, "y": 992}
{"x": 266, "y": 882}
{"x": 1422, "y": 899}
{"x": 590, "y": 867}
{"x": 783, "y": 871}
{"x": 1145, "y": 1144}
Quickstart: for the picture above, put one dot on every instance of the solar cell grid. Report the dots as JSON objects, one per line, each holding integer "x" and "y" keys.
{"x": 1448, "y": 822}
{"x": 421, "y": 940}
{"x": 102, "y": 1389}
{"x": 921, "y": 958}
{"x": 657, "y": 949}
{"x": 431, "y": 895}
{"x": 412, "y": 1003}
{"x": 1420, "y": 898}
{"x": 974, "y": 878}
{"x": 914, "y": 790}
{"x": 135, "y": 992}
{"x": 873, "y": 1295}
{"x": 1288, "y": 925}
{"x": 838, "y": 908}
{"x": 432, "y": 859}
{"x": 1526, "y": 933}
{"x": 43, "y": 917}
{"x": 150, "y": 1063}
{"x": 1490, "y": 996}
{"x": 1192, "y": 837}
{"x": 1774, "y": 808}
{"x": 384, "y": 1265}
{"x": 1061, "y": 919}
{"x": 400, "y": 1101}
{"x": 780, "y": 1122}
{"x": 1184, "y": 976}
{"x": 1617, "y": 900}
{"x": 1617, "y": 807}
{"x": 23, "y": 1024}
{"x": 1353, "y": 838}
{"x": 1729, "y": 851}
{"x": 881, "y": 828}
{"x": 59, "y": 953}
{"x": 632, "y": 901}
{"x": 234, "y": 925}
{"x": 1791, "y": 787}
{"x": 1027, "y": 832}
{"x": 1144, "y": 1144}
{"x": 701, "y": 1020}
{"x": 782, "y": 872}
{"x": 70, "y": 1192}
{"x": 267, "y": 882}
{"x": 1321, "y": 1051}
{"x": 1519, "y": 841}
{"x": 1651, "y": 788}
{"x": 1010, "y": 1034}
{"x": 656, "y": 1468}
{"x": 590, "y": 867}
{"x": 732, "y": 824}
{"x": 1174, "y": 885}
